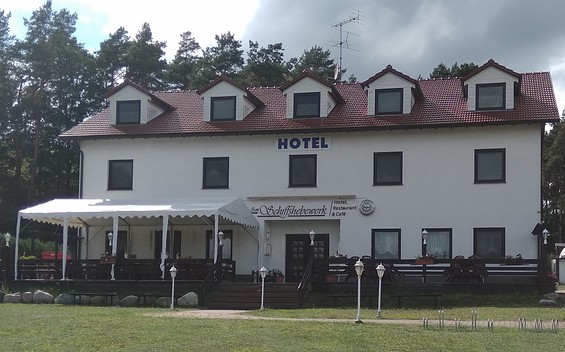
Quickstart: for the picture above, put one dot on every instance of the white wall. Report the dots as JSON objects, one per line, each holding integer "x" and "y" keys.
{"x": 438, "y": 182}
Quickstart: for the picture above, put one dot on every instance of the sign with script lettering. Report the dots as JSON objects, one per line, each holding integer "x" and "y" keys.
{"x": 331, "y": 208}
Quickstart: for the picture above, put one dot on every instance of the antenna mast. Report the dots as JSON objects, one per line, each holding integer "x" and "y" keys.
{"x": 339, "y": 26}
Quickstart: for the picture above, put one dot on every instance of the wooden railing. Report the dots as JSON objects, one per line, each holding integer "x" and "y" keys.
{"x": 124, "y": 269}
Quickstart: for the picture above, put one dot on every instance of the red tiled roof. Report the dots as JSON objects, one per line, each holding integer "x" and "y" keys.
{"x": 442, "y": 105}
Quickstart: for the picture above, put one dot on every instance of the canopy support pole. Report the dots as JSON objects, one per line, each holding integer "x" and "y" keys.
{"x": 164, "y": 245}
{"x": 65, "y": 242}
{"x": 215, "y": 236}
{"x": 18, "y": 223}
{"x": 115, "y": 223}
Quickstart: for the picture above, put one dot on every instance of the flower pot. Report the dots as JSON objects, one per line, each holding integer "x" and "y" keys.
{"x": 424, "y": 261}
{"x": 331, "y": 278}
{"x": 279, "y": 278}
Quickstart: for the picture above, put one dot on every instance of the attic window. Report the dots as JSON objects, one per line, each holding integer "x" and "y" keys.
{"x": 222, "y": 108}
{"x": 128, "y": 112}
{"x": 388, "y": 101}
{"x": 491, "y": 96}
{"x": 307, "y": 104}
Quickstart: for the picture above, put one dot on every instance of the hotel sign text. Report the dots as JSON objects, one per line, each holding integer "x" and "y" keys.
{"x": 334, "y": 208}
{"x": 303, "y": 143}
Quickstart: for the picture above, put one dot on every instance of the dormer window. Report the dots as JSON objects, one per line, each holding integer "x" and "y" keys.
{"x": 491, "y": 96}
{"x": 307, "y": 105}
{"x": 388, "y": 101}
{"x": 128, "y": 112}
{"x": 222, "y": 108}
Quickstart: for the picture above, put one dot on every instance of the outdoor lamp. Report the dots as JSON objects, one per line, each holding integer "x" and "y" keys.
{"x": 220, "y": 238}
{"x": 359, "y": 267}
{"x": 424, "y": 236}
{"x": 380, "y": 272}
{"x": 545, "y": 234}
{"x": 7, "y": 237}
{"x": 110, "y": 236}
{"x": 263, "y": 272}
{"x": 312, "y": 236}
{"x": 173, "y": 272}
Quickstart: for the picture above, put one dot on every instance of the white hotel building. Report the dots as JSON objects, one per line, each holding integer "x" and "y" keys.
{"x": 366, "y": 166}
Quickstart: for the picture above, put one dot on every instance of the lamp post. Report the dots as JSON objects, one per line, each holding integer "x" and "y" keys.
{"x": 359, "y": 268}
{"x": 110, "y": 237}
{"x": 173, "y": 272}
{"x": 380, "y": 272}
{"x": 220, "y": 245}
{"x": 312, "y": 236}
{"x": 545, "y": 235}
{"x": 263, "y": 272}
{"x": 424, "y": 252}
{"x": 7, "y": 237}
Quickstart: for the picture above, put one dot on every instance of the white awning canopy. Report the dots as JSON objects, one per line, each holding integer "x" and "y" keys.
{"x": 79, "y": 212}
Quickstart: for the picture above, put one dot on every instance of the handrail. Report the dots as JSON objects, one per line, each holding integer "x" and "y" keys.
{"x": 213, "y": 278}
{"x": 306, "y": 279}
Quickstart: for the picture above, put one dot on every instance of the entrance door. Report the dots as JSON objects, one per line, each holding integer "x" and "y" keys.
{"x": 298, "y": 252}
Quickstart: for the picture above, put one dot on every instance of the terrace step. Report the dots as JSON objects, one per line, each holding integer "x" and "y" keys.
{"x": 245, "y": 295}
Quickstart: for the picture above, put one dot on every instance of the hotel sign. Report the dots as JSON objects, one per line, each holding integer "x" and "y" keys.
{"x": 303, "y": 143}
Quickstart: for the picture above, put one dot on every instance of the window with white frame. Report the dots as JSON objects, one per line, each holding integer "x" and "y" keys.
{"x": 490, "y": 165}
{"x": 491, "y": 96}
{"x": 226, "y": 241}
{"x": 307, "y": 104}
{"x": 388, "y": 101}
{"x": 386, "y": 244}
{"x": 120, "y": 175}
{"x": 222, "y": 108}
{"x": 438, "y": 243}
{"x": 488, "y": 243}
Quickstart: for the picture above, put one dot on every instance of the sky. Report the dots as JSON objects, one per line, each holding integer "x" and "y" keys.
{"x": 413, "y": 36}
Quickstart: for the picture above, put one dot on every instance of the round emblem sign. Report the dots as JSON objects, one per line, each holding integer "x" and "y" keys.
{"x": 367, "y": 207}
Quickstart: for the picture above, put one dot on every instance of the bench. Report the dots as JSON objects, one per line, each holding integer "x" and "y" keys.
{"x": 416, "y": 290}
{"x": 106, "y": 295}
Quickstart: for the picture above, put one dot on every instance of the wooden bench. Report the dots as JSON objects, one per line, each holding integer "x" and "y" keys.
{"x": 416, "y": 290}
{"x": 106, "y": 295}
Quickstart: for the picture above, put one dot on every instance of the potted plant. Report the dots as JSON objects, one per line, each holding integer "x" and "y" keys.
{"x": 425, "y": 260}
{"x": 510, "y": 260}
{"x": 275, "y": 275}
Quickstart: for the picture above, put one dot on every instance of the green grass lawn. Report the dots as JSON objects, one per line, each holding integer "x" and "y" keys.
{"x": 27, "y": 327}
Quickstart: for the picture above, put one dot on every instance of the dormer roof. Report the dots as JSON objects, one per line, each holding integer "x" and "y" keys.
{"x": 492, "y": 63}
{"x": 252, "y": 97}
{"x": 307, "y": 73}
{"x": 128, "y": 82}
{"x": 390, "y": 69}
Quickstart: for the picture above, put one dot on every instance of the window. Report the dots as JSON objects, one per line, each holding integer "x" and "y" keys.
{"x": 491, "y": 96}
{"x": 386, "y": 244}
{"x": 128, "y": 112}
{"x": 302, "y": 171}
{"x": 307, "y": 104}
{"x": 387, "y": 168}
{"x": 121, "y": 245}
{"x": 490, "y": 165}
{"x": 438, "y": 243}
{"x": 488, "y": 243}
{"x": 222, "y": 109}
{"x": 175, "y": 241}
{"x": 227, "y": 248}
{"x": 120, "y": 175}
{"x": 388, "y": 101}
{"x": 216, "y": 173}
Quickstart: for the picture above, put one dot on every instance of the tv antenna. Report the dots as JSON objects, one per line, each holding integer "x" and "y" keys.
{"x": 339, "y": 26}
